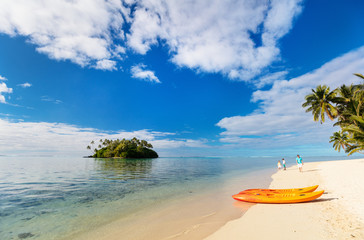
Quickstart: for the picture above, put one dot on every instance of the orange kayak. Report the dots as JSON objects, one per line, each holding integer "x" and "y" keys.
{"x": 281, "y": 191}
{"x": 278, "y": 198}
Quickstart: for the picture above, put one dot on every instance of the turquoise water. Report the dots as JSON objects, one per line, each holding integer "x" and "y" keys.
{"x": 49, "y": 197}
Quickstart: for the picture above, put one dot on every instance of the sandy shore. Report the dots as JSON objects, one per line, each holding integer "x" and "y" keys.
{"x": 338, "y": 214}
{"x": 195, "y": 216}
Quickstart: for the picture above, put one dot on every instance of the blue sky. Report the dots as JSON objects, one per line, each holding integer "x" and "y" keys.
{"x": 200, "y": 78}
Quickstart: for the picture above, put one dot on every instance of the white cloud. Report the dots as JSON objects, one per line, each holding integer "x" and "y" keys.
{"x": 4, "y": 89}
{"x": 180, "y": 143}
{"x": 81, "y": 31}
{"x": 270, "y": 78}
{"x": 49, "y": 99}
{"x": 106, "y": 64}
{"x": 58, "y": 138}
{"x": 140, "y": 72}
{"x": 280, "y": 119}
{"x": 207, "y": 35}
{"x": 25, "y": 85}
{"x": 3, "y": 78}
{"x": 215, "y": 36}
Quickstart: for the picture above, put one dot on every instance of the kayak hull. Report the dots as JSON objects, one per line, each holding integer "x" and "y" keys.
{"x": 278, "y": 198}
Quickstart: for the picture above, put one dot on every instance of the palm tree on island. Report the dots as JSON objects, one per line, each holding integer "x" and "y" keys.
{"x": 346, "y": 104}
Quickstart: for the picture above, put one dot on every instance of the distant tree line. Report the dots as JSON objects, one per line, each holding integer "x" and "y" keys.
{"x": 345, "y": 105}
{"x": 123, "y": 148}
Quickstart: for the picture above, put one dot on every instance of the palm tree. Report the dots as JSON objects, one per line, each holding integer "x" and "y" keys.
{"x": 349, "y": 108}
{"x": 320, "y": 102}
{"x": 356, "y": 135}
{"x": 340, "y": 140}
{"x": 350, "y": 105}
{"x": 347, "y": 104}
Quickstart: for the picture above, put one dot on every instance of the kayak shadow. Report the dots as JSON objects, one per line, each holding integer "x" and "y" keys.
{"x": 244, "y": 206}
{"x": 323, "y": 200}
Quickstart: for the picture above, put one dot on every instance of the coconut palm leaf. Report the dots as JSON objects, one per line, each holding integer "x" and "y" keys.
{"x": 340, "y": 140}
{"x": 359, "y": 75}
{"x": 346, "y": 104}
{"x": 319, "y": 102}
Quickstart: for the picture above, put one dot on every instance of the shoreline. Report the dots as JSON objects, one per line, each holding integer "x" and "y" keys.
{"x": 191, "y": 209}
{"x": 195, "y": 216}
{"x": 337, "y": 214}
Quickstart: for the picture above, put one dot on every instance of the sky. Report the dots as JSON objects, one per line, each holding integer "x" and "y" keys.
{"x": 194, "y": 78}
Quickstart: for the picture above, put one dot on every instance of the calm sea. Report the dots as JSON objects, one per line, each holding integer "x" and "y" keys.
{"x": 50, "y": 197}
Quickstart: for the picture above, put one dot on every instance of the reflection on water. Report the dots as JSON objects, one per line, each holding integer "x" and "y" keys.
{"x": 124, "y": 169}
{"x": 51, "y": 197}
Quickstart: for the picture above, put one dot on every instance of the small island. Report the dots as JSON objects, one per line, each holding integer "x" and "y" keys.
{"x": 124, "y": 148}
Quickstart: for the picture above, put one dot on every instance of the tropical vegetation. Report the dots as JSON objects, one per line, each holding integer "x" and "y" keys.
{"x": 124, "y": 148}
{"x": 345, "y": 105}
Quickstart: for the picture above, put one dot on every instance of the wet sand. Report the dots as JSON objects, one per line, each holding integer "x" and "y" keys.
{"x": 195, "y": 216}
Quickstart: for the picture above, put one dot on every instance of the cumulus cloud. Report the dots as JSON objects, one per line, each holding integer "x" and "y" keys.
{"x": 106, "y": 64}
{"x": 19, "y": 137}
{"x": 25, "y": 85}
{"x": 215, "y": 36}
{"x": 4, "y": 89}
{"x": 280, "y": 119}
{"x": 3, "y": 78}
{"x": 235, "y": 38}
{"x": 270, "y": 78}
{"x": 81, "y": 31}
{"x": 139, "y": 71}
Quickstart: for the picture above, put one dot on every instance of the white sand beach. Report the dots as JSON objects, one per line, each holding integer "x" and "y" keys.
{"x": 338, "y": 214}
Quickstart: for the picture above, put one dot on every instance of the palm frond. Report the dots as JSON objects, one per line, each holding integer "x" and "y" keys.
{"x": 359, "y": 75}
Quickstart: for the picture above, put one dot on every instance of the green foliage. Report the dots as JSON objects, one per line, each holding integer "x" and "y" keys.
{"x": 346, "y": 105}
{"x": 340, "y": 140}
{"x": 319, "y": 103}
{"x": 124, "y": 148}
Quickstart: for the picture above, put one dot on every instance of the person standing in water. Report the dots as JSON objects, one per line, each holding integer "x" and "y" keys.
{"x": 299, "y": 162}
{"x": 279, "y": 165}
{"x": 284, "y": 164}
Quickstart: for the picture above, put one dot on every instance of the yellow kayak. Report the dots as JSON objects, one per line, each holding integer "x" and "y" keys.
{"x": 281, "y": 191}
{"x": 277, "y": 198}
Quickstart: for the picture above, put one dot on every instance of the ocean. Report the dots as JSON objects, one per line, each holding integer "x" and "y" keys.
{"x": 64, "y": 197}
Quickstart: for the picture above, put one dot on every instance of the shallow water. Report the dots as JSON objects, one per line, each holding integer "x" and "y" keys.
{"x": 52, "y": 198}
